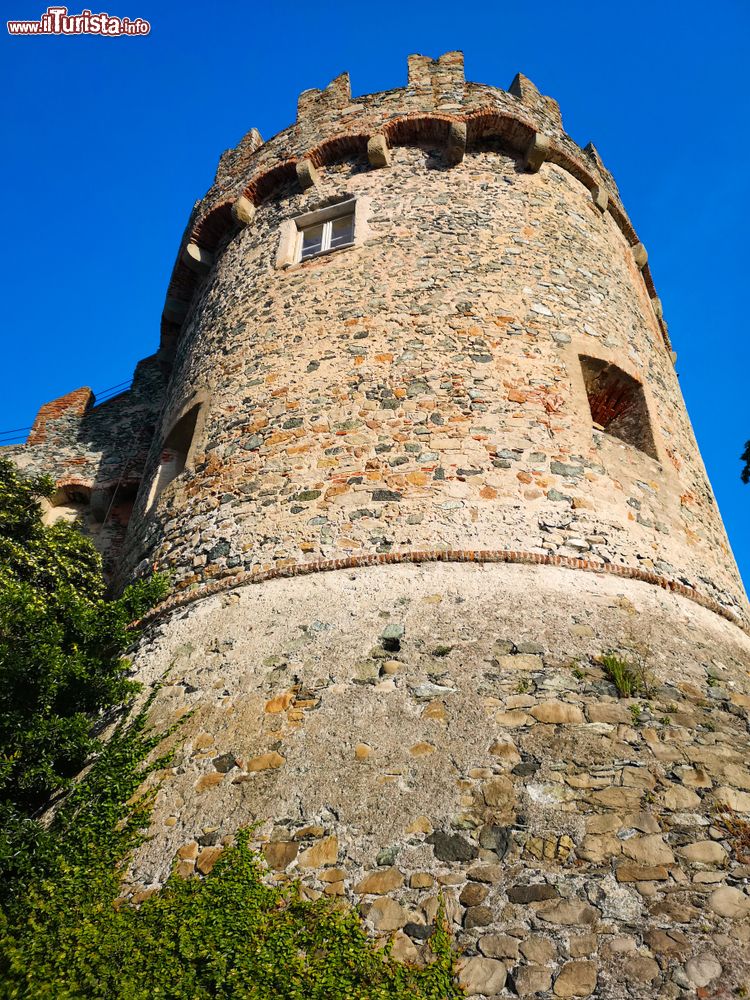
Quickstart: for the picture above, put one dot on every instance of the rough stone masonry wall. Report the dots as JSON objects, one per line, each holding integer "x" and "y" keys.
{"x": 400, "y": 732}
{"x": 97, "y": 450}
{"x": 414, "y": 728}
{"x": 76, "y": 439}
{"x": 423, "y": 390}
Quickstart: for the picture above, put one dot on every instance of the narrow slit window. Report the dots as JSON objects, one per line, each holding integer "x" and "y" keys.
{"x": 175, "y": 452}
{"x": 618, "y": 404}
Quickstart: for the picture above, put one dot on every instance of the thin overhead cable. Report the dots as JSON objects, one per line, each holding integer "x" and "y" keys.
{"x": 15, "y": 435}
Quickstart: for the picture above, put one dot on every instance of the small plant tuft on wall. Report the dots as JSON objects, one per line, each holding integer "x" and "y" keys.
{"x": 631, "y": 681}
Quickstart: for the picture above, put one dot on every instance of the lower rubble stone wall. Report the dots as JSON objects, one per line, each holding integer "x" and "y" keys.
{"x": 398, "y": 732}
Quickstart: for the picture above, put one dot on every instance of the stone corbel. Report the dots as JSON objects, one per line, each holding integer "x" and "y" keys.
{"x": 197, "y": 259}
{"x": 456, "y": 146}
{"x": 175, "y": 310}
{"x": 307, "y": 174}
{"x": 640, "y": 256}
{"x": 243, "y": 211}
{"x": 378, "y": 152}
{"x": 537, "y": 152}
{"x": 600, "y": 197}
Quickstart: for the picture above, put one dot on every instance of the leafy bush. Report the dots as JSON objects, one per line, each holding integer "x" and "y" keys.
{"x": 61, "y": 662}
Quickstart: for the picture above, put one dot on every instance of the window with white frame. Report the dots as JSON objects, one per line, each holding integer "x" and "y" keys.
{"x": 326, "y": 230}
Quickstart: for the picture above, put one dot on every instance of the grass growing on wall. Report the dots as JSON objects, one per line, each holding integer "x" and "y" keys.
{"x": 629, "y": 680}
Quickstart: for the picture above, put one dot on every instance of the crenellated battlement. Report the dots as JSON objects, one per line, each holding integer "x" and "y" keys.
{"x": 441, "y": 80}
{"x": 436, "y": 105}
{"x": 335, "y": 97}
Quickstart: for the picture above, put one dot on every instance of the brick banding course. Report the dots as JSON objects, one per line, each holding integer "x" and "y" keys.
{"x": 230, "y": 580}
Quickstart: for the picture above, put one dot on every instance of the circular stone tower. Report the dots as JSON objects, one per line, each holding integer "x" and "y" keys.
{"x": 423, "y": 462}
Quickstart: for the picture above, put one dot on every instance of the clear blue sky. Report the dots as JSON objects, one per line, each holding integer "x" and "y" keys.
{"x": 109, "y": 142}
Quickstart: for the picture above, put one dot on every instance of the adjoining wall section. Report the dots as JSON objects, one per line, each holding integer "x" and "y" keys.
{"x": 96, "y": 455}
{"x": 402, "y": 731}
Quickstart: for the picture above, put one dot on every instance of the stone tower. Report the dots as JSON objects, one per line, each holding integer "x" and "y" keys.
{"x": 414, "y": 450}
